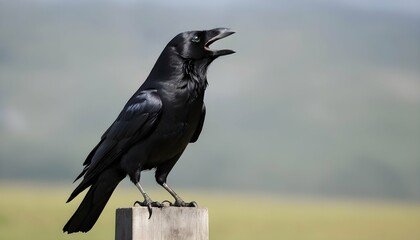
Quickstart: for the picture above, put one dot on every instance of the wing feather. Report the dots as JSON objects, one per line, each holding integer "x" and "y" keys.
{"x": 138, "y": 118}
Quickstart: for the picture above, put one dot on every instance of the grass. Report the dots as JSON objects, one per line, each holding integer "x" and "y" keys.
{"x": 39, "y": 212}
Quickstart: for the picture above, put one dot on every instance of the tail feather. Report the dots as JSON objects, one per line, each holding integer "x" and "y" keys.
{"x": 80, "y": 188}
{"x": 94, "y": 202}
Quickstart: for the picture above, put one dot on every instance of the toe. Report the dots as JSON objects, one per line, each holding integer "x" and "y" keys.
{"x": 156, "y": 204}
{"x": 192, "y": 204}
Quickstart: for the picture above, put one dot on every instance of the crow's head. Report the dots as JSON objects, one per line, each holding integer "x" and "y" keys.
{"x": 194, "y": 45}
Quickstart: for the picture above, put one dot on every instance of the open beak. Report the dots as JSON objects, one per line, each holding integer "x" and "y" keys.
{"x": 214, "y": 35}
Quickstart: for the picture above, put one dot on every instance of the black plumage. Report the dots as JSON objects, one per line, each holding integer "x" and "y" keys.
{"x": 155, "y": 126}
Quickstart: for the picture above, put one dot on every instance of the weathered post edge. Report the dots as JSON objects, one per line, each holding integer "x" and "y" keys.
{"x": 177, "y": 223}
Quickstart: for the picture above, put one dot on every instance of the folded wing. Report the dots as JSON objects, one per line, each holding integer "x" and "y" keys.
{"x": 136, "y": 121}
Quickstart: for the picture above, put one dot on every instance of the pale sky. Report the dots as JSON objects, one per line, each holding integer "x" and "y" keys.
{"x": 408, "y": 6}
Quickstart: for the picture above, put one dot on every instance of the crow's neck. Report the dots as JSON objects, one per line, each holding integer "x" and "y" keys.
{"x": 187, "y": 74}
{"x": 195, "y": 74}
{"x": 167, "y": 66}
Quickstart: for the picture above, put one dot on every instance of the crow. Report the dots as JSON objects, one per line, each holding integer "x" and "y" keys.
{"x": 153, "y": 129}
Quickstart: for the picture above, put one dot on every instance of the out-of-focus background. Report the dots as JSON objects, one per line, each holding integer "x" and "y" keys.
{"x": 312, "y": 131}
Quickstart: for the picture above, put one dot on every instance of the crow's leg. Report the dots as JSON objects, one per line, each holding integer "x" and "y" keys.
{"x": 162, "y": 173}
{"x": 147, "y": 200}
{"x": 178, "y": 201}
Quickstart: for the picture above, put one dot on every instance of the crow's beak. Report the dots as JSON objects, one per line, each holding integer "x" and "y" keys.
{"x": 214, "y": 35}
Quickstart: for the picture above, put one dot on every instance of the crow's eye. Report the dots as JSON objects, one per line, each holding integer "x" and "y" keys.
{"x": 196, "y": 39}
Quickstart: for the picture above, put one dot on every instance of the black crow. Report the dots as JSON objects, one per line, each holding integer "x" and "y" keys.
{"x": 153, "y": 129}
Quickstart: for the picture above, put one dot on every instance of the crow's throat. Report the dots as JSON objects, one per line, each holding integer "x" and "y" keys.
{"x": 195, "y": 77}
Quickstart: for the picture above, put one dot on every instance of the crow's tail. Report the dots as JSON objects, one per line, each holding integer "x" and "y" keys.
{"x": 94, "y": 202}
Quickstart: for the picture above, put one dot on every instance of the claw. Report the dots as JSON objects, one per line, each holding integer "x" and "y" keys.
{"x": 149, "y": 208}
{"x": 149, "y": 205}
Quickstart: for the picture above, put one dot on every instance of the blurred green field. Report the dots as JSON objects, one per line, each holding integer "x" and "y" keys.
{"x": 38, "y": 212}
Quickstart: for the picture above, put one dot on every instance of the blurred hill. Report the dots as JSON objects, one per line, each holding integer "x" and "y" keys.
{"x": 321, "y": 97}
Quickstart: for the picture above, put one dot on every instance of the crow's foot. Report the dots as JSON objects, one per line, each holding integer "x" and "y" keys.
{"x": 149, "y": 204}
{"x": 183, "y": 204}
